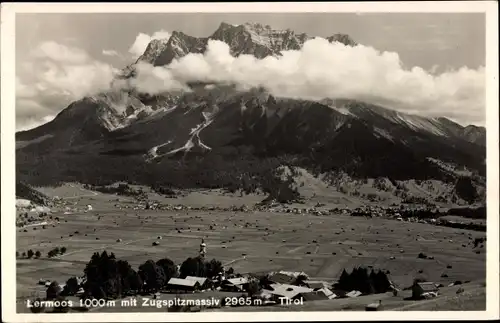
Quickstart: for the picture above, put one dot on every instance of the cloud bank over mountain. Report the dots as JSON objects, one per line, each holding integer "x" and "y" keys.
{"x": 56, "y": 74}
{"x": 330, "y": 70}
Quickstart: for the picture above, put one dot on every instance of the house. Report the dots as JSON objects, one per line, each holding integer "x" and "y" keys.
{"x": 328, "y": 293}
{"x": 312, "y": 296}
{"x": 179, "y": 284}
{"x": 204, "y": 282}
{"x": 419, "y": 290}
{"x": 373, "y": 306}
{"x": 316, "y": 284}
{"x": 288, "y": 291}
{"x": 234, "y": 284}
{"x": 354, "y": 293}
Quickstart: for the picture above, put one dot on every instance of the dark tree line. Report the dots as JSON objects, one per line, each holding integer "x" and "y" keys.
{"x": 364, "y": 280}
{"x": 120, "y": 189}
{"x": 56, "y": 251}
{"x": 280, "y": 187}
{"x": 29, "y": 254}
{"x": 464, "y": 188}
{"x": 197, "y": 266}
{"x": 469, "y": 212}
{"x": 107, "y": 277}
{"x": 24, "y": 191}
{"x": 247, "y": 173}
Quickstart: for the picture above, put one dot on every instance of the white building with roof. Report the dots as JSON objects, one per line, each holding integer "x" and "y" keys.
{"x": 179, "y": 284}
{"x": 287, "y": 291}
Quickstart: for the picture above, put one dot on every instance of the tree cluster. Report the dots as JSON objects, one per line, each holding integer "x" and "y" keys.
{"x": 465, "y": 189}
{"x": 120, "y": 189}
{"x": 56, "y": 251}
{"x": 29, "y": 254}
{"x": 108, "y": 277}
{"x": 197, "y": 266}
{"x": 364, "y": 280}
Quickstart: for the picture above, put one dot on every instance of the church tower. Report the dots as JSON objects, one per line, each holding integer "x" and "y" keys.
{"x": 203, "y": 248}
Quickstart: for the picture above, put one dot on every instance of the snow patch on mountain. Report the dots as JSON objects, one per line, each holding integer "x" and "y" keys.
{"x": 193, "y": 141}
{"x": 419, "y": 123}
{"x": 382, "y": 133}
{"x": 153, "y": 152}
{"x": 120, "y": 109}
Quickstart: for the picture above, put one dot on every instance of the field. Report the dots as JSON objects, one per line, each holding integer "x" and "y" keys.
{"x": 321, "y": 246}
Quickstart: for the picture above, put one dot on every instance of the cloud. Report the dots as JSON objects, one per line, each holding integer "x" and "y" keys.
{"x": 142, "y": 40}
{"x": 155, "y": 80}
{"x": 60, "y": 53}
{"x": 110, "y": 52}
{"x": 332, "y": 70}
{"x": 30, "y": 123}
{"x": 54, "y": 75}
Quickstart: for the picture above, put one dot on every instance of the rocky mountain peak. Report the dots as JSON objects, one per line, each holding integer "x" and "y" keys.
{"x": 154, "y": 49}
{"x": 248, "y": 38}
{"x": 342, "y": 38}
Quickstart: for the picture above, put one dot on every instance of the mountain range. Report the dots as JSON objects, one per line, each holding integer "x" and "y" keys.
{"x": 219, "y": 128}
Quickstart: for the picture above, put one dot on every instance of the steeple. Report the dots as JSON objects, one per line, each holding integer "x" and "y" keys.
{"x": 203, "y": 248}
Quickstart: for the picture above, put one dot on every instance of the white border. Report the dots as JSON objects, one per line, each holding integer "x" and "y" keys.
{"x": 8, "y": 11}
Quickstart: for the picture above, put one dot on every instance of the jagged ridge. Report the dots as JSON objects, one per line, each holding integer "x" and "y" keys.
{"x": 252, "y": 39}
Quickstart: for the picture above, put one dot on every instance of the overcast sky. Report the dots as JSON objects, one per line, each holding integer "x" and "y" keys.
{"x": 95, "y": 43}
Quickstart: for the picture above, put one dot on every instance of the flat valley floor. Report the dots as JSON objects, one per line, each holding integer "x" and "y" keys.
{"x": 321, "y": 246}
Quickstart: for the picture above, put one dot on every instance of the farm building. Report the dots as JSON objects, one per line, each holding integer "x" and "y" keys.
{"x": 186, "y": 285}
{"x": 316, "y": 284}
{"x": 234, "y": 284}
{"x": 374, "y": 306}
{"x": 204, "y": 282}
{"x": 354, "y": 293}
{"x": 419, "y": 290}
{"x": 288, "y": 291}
{"x": 312, "y": 296}
{"x": 328, "y": 293}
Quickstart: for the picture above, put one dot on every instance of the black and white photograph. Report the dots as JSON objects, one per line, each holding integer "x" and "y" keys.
{"x": 208, "y": 163}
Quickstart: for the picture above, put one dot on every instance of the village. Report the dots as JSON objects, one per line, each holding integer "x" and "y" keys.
{"x": 268, "y": 289}
{"x": 257, "y": 262}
